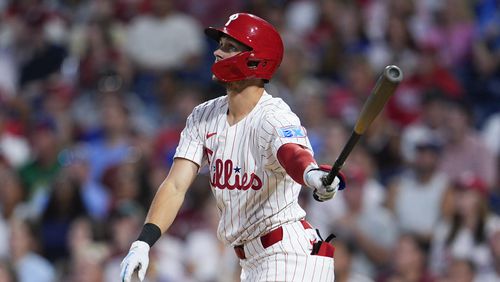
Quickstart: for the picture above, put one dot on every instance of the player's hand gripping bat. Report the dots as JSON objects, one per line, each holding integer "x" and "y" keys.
{"x": 383, "y": 90}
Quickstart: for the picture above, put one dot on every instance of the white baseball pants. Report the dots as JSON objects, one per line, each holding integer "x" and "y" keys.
{"x": 289, "y": 259}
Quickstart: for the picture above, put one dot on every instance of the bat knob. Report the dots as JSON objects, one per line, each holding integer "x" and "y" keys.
{"x": 316, "y": 197}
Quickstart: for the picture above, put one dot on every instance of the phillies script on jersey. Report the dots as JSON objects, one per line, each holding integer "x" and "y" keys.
{"x": 223, "y": 172}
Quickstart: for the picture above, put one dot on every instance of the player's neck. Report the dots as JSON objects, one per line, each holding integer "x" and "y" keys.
{"x": 241, "y": 103}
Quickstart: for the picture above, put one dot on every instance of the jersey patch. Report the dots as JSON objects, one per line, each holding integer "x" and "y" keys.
{"x": 293, "y": 131}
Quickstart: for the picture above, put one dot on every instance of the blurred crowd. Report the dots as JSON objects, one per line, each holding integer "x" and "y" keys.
{"x": 94, "y": 94}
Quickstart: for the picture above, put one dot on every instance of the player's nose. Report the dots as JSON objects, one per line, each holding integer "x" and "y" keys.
{"x": 219, "y": 54}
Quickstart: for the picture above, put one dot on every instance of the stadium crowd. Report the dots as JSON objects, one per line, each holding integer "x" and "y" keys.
{"x": 94, "y": 94}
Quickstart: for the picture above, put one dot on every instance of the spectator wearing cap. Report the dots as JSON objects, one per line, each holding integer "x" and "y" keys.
{"x": 430, "y": 122}
{"x": 464, "y": 234}
{"x": 421, "y": 185}
{"x": 38, "y": 174}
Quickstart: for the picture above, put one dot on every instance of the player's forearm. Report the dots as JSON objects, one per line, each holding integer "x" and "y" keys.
{"x": 165, "y": 206}
{"x": 168, "y": 200}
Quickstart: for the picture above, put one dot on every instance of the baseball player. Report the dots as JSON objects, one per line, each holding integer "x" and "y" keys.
{"x": 258, "y": 155}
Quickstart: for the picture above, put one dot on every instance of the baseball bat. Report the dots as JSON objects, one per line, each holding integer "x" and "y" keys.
{"x": 384, "y": 88}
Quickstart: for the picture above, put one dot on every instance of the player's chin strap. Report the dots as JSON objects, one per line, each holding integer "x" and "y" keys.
{"x": 324, "y": 247}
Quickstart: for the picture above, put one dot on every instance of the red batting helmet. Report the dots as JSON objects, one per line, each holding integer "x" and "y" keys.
{"x": 266, "y": 48}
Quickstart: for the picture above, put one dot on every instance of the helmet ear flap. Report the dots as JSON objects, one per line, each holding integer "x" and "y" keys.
{"x": 233, "y": 68}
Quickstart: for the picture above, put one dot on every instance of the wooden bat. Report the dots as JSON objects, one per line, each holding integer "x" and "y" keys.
{"x": 383, "y": 90}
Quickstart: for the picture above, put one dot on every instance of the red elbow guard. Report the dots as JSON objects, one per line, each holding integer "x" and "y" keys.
{"x": 295, "y": 159}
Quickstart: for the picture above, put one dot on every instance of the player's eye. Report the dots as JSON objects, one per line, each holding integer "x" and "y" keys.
{"x": 232, "y": 48}
{"x": 228, "y": 47}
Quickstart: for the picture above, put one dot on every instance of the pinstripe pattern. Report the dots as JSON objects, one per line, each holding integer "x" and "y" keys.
{"x": 254, "y": 194}
{"x": 288, "y": 260}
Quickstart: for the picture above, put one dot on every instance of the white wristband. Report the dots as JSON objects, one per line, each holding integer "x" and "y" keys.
{"x": 310, "y": 167}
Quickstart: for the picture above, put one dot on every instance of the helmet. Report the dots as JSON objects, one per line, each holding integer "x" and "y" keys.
{"x": 264, "y": 41}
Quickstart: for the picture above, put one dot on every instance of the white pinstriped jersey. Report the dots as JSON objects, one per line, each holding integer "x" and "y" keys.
{"x": 253, "y": 192}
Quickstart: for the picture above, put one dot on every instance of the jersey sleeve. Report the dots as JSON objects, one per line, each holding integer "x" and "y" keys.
{"x": 284, "y": 128}
{"x": 191, "y": 144}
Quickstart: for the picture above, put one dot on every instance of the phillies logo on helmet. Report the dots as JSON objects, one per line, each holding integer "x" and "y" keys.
{"x": 231, "y": 18}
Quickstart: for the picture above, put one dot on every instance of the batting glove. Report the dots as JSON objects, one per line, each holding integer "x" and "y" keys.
{"x": 313, "y": 178}
{"x": 136, "y": 259}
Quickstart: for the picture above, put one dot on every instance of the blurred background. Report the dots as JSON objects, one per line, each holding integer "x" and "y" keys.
{"x": 94, "y": 94}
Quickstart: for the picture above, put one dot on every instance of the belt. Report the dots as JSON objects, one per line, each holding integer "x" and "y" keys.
{"x": 269, "y": 239}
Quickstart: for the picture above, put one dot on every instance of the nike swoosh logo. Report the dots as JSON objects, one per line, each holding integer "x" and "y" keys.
{"x": 211, "y": 134}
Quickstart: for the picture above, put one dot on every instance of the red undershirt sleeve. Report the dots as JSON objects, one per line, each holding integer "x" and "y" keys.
{"x": 295, "y": 159}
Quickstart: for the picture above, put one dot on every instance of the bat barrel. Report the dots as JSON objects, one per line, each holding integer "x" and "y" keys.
{"x": 386, "y": 86}
{"x": 383, "y": 90}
